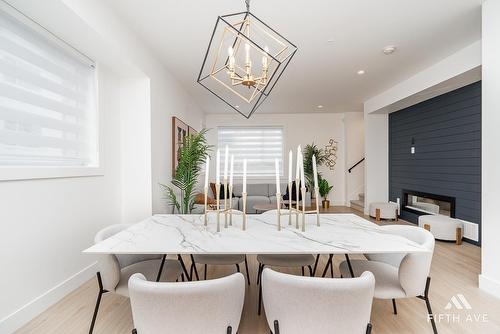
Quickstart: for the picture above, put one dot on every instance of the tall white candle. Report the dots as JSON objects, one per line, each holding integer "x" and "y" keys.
{"x": 290, "y": 162}
{"x": 277, "y": 167}
{"x": 297, "y": 171}
{"x": 226, "y": 163}
{"x": 302, "y": 178}
{"x": 207, "y": 170}
{"x": 232, "y": 170}
{"x": 217, "y": 167}
{"x": 244, "y": 175}
{"x": 315, "y": 172}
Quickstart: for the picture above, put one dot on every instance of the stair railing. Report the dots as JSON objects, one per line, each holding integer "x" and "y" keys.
{"x": 357, "y": 163}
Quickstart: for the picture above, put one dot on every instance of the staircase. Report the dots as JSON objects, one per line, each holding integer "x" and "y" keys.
{"x": 358, "y": 204}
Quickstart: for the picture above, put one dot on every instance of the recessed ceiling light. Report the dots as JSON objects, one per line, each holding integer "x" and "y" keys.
{"x": 320, "y": 106}
{"x": 361, "y": 72}
{"x": 236, "y": 106}
{"x": 330, "y": 40}
{"x": 389, "y": 49}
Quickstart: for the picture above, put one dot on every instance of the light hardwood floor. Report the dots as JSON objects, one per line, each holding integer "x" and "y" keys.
{"x": 454, "y": 271}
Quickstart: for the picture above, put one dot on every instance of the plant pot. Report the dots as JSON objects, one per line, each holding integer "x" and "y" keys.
{"x": 326, "y": 203}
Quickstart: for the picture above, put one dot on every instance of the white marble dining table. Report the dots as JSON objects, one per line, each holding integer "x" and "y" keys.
{"x": 187, "y": 234}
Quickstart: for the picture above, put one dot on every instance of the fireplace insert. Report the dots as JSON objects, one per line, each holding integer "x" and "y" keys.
{"x": 422, "y": 203}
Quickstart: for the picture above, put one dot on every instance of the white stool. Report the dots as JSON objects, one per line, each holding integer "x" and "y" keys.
{"x": 442, "y": 227}
{"x": 384, "y": 210}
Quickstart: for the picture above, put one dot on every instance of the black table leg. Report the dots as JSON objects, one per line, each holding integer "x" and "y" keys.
{"x": 179, "y": 257}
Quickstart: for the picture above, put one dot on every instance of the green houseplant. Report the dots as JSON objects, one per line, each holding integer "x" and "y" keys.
{"x": 309, "y": 151}
{"x": 324, "y": 190}
{"x": 192, "y": 156}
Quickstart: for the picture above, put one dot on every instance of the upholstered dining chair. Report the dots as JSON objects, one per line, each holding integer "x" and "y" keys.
{"x": 296, "y": 304}
{"x": 209, "y": 307}
{"x": 284, "y": 260}
{"x": 115, "y": 270}
{"x": 218, "y": 259}
{"x": 399, "y": 275}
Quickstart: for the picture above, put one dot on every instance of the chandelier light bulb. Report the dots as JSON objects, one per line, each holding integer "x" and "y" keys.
{"x": 230, "y": 51}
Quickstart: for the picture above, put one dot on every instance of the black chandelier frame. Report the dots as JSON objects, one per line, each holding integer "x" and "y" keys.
{"x": 283, "y": 64}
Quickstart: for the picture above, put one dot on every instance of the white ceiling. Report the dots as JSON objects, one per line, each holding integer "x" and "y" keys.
{"x": 322, "y": 72}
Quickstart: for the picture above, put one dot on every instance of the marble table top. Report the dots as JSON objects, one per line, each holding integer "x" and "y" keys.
{"x": 186, "y": 234}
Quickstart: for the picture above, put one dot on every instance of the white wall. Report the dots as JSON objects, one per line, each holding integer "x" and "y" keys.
{"x": 299, "y": 129}
{"x": 51, "y": 221}
{"x": 489, "y": 280}
{"x": 376, "y": 163}
{"x": 355, "y": 151}
{"x": 47, "y": 223}
{"x": 167, "y": 97}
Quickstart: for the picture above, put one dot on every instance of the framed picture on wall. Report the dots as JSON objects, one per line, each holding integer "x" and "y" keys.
{"x": 179, "y": 131}
{"x": 192, "y": 131}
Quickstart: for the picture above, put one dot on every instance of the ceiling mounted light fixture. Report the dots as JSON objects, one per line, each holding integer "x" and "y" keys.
{"x": 244, "y": 60}
{"x": 389, "y": 49}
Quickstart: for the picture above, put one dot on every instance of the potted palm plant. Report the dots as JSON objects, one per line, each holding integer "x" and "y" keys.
{"x": 324, "y": 190}
{"x": 309, "y": 151}
{"x": 192, "y": 156}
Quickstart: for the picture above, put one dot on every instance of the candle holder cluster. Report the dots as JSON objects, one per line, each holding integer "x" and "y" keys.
{"x": 299, "y": 211}
{"x": 228, "y": 211}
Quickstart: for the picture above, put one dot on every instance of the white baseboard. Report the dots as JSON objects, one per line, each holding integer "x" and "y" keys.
{"x": 23, "y": 315}
{"x": 489, "y": 285}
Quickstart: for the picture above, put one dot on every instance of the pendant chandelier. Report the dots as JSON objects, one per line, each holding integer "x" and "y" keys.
{"x": 244, "y": 60}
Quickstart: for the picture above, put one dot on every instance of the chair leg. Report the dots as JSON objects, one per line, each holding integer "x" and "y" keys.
{"x": 246, "y": 269}
{"x": 328, "y": 263}
{"x": 260, "y": 298}
{"x": 182, "y": 277}
{"x": 394, "y": 308}
{"x": 302, "y": 271}
{"x": 229, "y": 330}
{"x": 315, "y": 265}
{"x": 331, "y": 267}
{"x": 349, "y": 265}
{"x": 428, "y": 304}
{"x": 311, "y": 272}
{"x": 205, "y": 272}
{"x": 368, "y": 328}
{"x": 195, "y": 270}
{"x": 237, "y": 267}
{"x": 276, "y": 327}
{"x": 183, "y": 265}
{"x": 259, "y": 272}
{"x": 134, "y": 331}
{"x": 161, "y": 268}
{"x": 98, "y": 302}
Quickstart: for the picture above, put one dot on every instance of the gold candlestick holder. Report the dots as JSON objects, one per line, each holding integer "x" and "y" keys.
{"x": 225, "y": 202}
{"x": 278, "y": 206}
{"x": 297, "y": 209}
{"x": 206, "y": 206}
{"x": 227, "y": 210}
{"x": 244, "y": 223}
{"x": 316, "y": 191}
{"x": 290, "y": 203}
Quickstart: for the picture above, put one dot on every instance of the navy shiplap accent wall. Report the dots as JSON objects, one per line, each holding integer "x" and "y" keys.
{"x": 447, "y": 159}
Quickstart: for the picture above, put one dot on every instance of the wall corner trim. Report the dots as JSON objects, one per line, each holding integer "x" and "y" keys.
{"x": 489, "y": 285}
{"x": 24, "y": 314}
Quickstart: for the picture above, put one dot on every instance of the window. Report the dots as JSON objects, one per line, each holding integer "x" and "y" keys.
{"x": 48, "y": 113}
{"x": 259, "y": 145}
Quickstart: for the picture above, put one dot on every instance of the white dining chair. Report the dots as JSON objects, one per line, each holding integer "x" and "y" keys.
{"x": 399, "y": 275}
{"x": 115, "y": 270}
{"x": 209, "y": 307}
{"x": 296, "y": 304}
{"x": 218, "y": 259}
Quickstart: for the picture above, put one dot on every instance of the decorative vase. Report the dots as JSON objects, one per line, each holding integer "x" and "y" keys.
{"x": 326, "y": 203}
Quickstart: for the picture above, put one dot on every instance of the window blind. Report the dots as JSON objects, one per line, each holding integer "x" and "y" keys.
{"x": 259, "y": 145}
{"x": 48, "y": 114}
